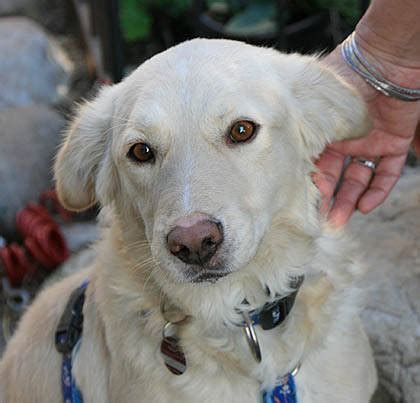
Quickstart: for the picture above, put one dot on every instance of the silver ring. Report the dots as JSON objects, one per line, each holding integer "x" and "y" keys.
{"x": 296, "y": 370}
{"x": 366, "y": 163}
{"x": 251, "y": 337}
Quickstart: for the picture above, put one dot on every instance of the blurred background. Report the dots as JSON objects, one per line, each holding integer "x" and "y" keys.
{"x": 55, "y": 53}
{"x": 130, "y": 31}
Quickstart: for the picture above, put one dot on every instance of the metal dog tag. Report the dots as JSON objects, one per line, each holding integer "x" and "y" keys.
{"x": 173, "y": 356}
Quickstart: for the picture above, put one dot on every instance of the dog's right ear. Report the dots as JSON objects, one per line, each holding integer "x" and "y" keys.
{"x": 77, "y": 162}
{"x": 331, "y": 110}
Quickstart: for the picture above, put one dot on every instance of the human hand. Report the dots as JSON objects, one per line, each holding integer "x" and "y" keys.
{"x": 394, "y": 126}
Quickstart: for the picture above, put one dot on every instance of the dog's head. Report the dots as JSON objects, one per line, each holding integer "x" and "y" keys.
{"x": 202, "y": 146}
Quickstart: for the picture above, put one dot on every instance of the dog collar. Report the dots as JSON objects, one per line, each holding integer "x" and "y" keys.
{"x": 271, "y": 315}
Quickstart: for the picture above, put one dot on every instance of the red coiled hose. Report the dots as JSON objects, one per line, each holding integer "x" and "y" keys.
{"x": 42, "y": 236}
{"x": 16, "y": 263}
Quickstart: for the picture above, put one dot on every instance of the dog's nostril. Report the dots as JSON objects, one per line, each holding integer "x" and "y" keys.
{"x": 195, "y": 244}
{"x": 183, "y": 253}
{"x": 208, "y": 242}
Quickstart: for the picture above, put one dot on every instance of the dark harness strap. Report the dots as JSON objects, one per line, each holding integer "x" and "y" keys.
{"x": 67, "y": 341}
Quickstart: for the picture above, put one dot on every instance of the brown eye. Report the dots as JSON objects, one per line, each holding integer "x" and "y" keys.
{"x": 242, "y": 130}
{"x": 141, "y": 152}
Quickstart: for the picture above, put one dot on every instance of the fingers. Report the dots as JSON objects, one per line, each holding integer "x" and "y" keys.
{"x": 356, "y": 180}
{"x": 375, "y": 144}
{"x": 330, "y": 165}
{"x": 386, "y": 176}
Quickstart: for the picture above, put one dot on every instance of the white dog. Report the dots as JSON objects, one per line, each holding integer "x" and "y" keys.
{"x": 203, "y": 157}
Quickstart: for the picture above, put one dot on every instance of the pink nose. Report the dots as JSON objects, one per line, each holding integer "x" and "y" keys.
{"x": 195, "y": 239}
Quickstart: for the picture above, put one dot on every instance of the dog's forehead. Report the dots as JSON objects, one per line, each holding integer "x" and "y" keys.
{"x": 208, "y": 54}
{"x": 202, "y": 78}
{"x": 203, "y": 66}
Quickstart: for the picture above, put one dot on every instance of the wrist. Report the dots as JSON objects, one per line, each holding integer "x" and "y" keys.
{"x": 372, "y": 73}
{"x": 390, "y": 41}
{"x": 402, "y": 68}
{"x": 390, "y": 30}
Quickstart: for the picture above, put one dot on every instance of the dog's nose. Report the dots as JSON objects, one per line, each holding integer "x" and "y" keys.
{"x": 195, "y": 239}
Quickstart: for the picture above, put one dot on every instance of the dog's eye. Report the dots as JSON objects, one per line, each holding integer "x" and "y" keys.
{"x": 242, "y": 130}
{"x": 140, "y": 152}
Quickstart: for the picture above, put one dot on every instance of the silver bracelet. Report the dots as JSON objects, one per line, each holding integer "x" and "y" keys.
{"x": 358, "y": 62}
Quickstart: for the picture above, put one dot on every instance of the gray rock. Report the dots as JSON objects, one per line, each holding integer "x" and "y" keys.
{"x": 29, "y": 138}
{"x": 8, "y": 7}
{"x": 33, "y": 68}
{"x": 391, "y": 245}
{"x": 80, "y": 234}
{"x": 55, "y": 15}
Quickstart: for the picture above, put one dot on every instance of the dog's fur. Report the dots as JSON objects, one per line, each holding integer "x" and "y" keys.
{"x": 182, "y": 103}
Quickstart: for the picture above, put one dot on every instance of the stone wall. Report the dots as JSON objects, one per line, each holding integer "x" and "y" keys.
{"x": 389, "y": 240}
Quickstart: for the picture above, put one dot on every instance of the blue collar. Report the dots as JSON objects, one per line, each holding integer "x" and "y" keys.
{"x": 273, "y": 313}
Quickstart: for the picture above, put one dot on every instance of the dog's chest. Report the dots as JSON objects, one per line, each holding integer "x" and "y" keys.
{"x": 205, "y": 384}
{"x": 218, "y": 370}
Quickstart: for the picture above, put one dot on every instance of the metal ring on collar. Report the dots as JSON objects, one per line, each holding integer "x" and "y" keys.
{"x": 296, "y": 370}
{"x": 251, "y": 337}
{"x": 366, "y": 163}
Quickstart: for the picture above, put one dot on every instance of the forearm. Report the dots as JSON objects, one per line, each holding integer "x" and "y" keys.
{"x": 391, "y": 29}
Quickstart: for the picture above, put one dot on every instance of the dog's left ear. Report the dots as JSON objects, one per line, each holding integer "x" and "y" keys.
{"x": 331, "y": 110}
{"x": 83, "y": 154}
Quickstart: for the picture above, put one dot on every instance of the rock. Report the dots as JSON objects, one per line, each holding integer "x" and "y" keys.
{"x": 8, "y": 7}
{"x": 57, "y": 16}
{"x": 33, "y": 68}
{"x": 390, "y": 241}
{"x": 78, "y": 235}
{"x": 29, "y": 138}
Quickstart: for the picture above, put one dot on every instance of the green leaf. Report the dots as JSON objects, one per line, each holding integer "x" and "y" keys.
{"x": 174, "y": 8}
{"x": 259, "y": 18}
{"x": 135, "y": 20}
{"x": 349, "y": 9}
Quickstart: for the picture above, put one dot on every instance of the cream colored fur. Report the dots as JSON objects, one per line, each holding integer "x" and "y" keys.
{"x": 182, "y": 102}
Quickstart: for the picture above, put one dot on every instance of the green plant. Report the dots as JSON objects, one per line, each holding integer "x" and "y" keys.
{"x": 258, "y": 17}
{"x": 348, "y": 9}
{"x": 239, "y": 17}
{"x": 136, "y": 17}
{"x": 242, "y": 17}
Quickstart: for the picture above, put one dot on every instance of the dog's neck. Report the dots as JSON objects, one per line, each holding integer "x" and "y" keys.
{"x": 279, "y": 261}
